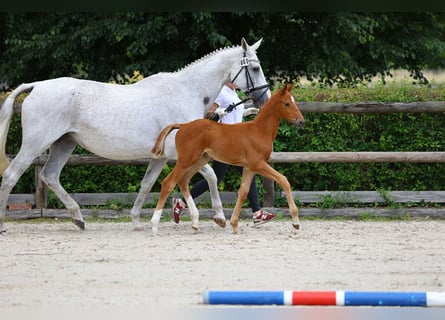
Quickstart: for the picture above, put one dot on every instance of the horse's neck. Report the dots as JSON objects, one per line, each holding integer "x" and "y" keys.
{"x": 209, "y": 74}
{"x": 268, "y": 120}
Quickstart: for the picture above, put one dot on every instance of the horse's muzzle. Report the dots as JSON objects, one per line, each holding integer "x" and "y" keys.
{"x": 299, "y": 123}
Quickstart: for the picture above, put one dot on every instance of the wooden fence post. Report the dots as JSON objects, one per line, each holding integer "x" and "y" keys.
{"x": 269, "y": 195}
{"x": 41, "y": 190}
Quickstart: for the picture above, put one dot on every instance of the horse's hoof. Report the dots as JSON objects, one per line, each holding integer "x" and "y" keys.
{"x": 79, "y": 223}
{"x": 195, "y": 229}
{"x": 2, "y": 230}
{"x": 138, "y": 228}
{"x": 296, "y": 226}
{"x": 220, "y": 221}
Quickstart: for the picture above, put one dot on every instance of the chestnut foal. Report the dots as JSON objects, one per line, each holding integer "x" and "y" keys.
{"x": 247, "y": 144}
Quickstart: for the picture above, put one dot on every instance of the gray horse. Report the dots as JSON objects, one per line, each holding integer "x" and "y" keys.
{"x": 120, "y": 122}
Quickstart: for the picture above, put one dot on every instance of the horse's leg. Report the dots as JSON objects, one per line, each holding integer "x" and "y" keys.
{"x": 183, "y": 184}
{"x": 267, "y": 171}
{"x": 59, "y": 154}
{"x": 12, "y": 174}
{"x": 243, "y": 190}
{"x": 151, "y": 175}
{"x": 166, "y": 188}
{"x": 208, "y": 173}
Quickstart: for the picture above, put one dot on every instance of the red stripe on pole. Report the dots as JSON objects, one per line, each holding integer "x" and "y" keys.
{"x": 319, "y": 298}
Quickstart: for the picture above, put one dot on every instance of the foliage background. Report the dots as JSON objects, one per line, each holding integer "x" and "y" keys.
{"x": 338, "y": 52}
{"x": 332, "y": 47}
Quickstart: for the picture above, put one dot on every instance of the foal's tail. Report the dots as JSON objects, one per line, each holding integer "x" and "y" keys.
{"x": 158, "y": 149}
{"x": 6, "y": 111}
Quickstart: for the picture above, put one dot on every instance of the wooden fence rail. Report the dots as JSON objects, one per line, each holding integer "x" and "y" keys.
{"x": 280, "y": 157}
{"x": 290, "y": 157}
{"x": 373, "y": 107}
{"x": 276, "y": 157}
{"x": 229, "y": 197}
{"x": 362, "y": 107}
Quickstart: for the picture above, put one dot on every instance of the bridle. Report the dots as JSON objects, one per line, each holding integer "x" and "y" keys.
{"x": 244, "y": 63}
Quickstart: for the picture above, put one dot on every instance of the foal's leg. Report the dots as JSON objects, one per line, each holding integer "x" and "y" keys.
{"x": 243, "y": 190}
{"x": 208, "y": 173}
{"x": 268, "y": 172}
{"x": 151, "y": 175}
{"x": 185, "y": 190}
{"x": 166, "y": 188}
{"x": 59, "y": 154}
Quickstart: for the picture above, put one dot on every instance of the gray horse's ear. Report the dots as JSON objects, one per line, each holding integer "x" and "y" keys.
{"x": 244, "y": 44}
{"x": 256, "y": 45}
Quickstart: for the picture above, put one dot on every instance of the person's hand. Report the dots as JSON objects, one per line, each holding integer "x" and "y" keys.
{"x": 220, "y": 112}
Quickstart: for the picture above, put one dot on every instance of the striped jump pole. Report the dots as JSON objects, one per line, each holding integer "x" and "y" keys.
{"x": 326, "y": 298}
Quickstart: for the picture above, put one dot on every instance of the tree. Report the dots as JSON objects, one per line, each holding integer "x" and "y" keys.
{"x": 334, "y": 47}
{"x": 344, "y": 47}
{"x": 99, "y": 45}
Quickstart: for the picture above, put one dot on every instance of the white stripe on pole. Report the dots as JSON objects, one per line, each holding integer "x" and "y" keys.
{"x": 287, "y": 297}
{"x": 435, "y": 299}
{"x": 340, "y": 298}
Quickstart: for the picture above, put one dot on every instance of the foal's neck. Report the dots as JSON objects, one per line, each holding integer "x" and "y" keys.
{"x": 268, "y": 120}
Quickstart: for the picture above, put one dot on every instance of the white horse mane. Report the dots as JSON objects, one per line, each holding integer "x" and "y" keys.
{"x": 208, "y": 56}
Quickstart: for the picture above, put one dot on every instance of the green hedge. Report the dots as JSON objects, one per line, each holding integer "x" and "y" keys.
{"x": 322, "y": 132}
{"x": 367, "y": 132}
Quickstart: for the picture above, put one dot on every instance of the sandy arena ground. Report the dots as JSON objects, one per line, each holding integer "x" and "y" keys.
{"x": 57, "y": 265}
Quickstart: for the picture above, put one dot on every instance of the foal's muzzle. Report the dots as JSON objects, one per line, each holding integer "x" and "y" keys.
{"x": 299, "y": 123}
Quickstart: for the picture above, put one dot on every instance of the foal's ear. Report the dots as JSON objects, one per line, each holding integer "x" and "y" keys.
{"x": 287, "y": 88}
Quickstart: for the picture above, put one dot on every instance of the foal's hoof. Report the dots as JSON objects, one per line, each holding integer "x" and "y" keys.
{"x": 220, "y": 221}
{"x": 236, "y": 229}
{"x": 139, "y": 228}
{"x": 296, "y": 226}
{"x": 79, "y": 223}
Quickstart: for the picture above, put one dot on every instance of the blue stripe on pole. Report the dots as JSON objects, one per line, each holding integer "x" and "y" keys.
{"x": 414, "y": 299}
{"x": 244, "y": 297}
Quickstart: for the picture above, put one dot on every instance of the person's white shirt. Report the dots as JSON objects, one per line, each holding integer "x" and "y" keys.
{"x": 225, "y": 98}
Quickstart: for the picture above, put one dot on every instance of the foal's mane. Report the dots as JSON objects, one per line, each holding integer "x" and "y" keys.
{"x": 208, "y": 56}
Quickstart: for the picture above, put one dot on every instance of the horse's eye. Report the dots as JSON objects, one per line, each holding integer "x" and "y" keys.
{"x": 256, "y": 69}
{"x": 287, "y": 104}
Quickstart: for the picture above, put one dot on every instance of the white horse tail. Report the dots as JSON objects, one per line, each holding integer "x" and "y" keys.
{"x": 158, "y": 149}
{"x": 5, "y": 119}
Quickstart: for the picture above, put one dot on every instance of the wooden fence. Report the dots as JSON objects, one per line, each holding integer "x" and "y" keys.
{"x": 40, "y": 198}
